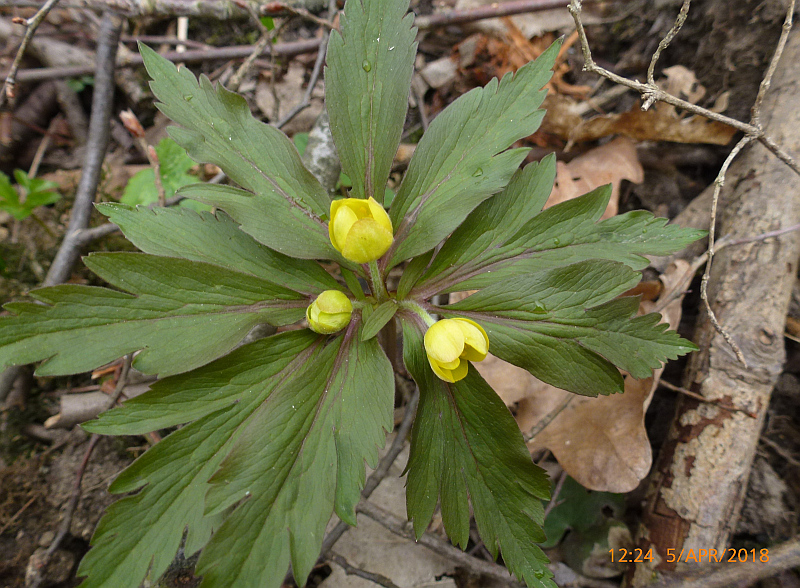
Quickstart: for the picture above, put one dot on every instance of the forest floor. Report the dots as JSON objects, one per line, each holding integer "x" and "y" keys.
{"x": 664, "y": 160}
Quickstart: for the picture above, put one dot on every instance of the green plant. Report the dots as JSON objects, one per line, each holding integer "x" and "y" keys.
{"x": 277, "y": 431}
{"x": 174, "y": 166}
{"x": 32, "y": 193}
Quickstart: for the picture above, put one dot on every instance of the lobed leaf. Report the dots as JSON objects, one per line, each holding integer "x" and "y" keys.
{"x": 466, "y": 447}
{"x": 282, "y": 204}
{"x": 286, "y": 425}
{"x": 367, "y": 81}
{"x": 181, "y": 314}
{"x": 215, "y": 239}
{"x": 462, "y": 158}
{"x": 495, "y": 243}
{"x": 564, "y": 326}
{"x": 139, "y": 535}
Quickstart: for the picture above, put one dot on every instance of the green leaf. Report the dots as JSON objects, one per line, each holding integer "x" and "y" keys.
{"x": 301, "y": 454}
{"x": 181, "y": 314}
{"x": 367, "y": 81}
{"x": 286, "y": 425}
{"x": 464, "y": 444}
{"x": 579, "y": 509}
{"x": 173, "y": 165}
{"x": 174, "y": 473}
{"x": 378, "y": 319}
{"x": 353, "y": 284}
{"x": 38, "y": 192}
{"x": 412, "y": 273}
{"x": 281, "y": 199}
{"x": 566, "y": 233}
{"x": 462, "y": 158}
{"x": 215, "y": 239}
{"x": 564, "y": 326}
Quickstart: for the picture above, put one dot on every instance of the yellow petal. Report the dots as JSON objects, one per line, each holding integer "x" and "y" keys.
{"x": 333, "y": 301}
{"x": 444, "y": 341}
{"x": 443, "y": 374}
{"x": 476, "y": 342}
{"x": 460, "y": 372}
{"x": 379, "y": 214}
{"x": 341, "y": 223}
{"x": 366, "y": 241}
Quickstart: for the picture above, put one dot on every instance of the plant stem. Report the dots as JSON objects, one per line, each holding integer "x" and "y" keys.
{"x": 379, "y": 290}
{"x": 418, "y": 310}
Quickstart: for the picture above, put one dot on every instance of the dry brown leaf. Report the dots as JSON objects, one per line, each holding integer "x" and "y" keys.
{"x": 659, "y": 123}
{"x": 608, "y": 164}
{"x": 601, "y": 442}
{"x": 681, "y": 82}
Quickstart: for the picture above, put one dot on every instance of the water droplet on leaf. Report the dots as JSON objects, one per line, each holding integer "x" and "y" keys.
{"x": 188, "y": 97}
{"x": 556, "y": 241}
{"x": 478, "y": 173}
{"x": 539, "y": 308}
{"x": 366, "y": 65}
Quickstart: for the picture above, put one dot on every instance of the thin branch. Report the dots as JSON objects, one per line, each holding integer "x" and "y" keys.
{"x": 264, "y": 42}
{"x": 755, "y": 112}
{"x": 312, "y": 82}
{"x": 290, "y": 49}
{"x": 493, "y": 10}
{"x": 684, "y": 12}
{"x": 102, "y": 101}
{"x": 8, "y": 91}
{"x": 458, "y": 557}
{"x": 704, "y": 400}
{"x": 719, "y": 182}
{"x": 549, "y": 417}
{"x": 556, "y": 491}
{"x": 274, "y": 8}
{"x": 652, "y": 93}
{"x": 351, "y": 570}
{"x": 96, "y": 145}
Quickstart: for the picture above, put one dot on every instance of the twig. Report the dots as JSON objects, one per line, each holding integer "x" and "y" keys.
{"x": 755, "y": 112}
{"x": 554, "y": 497}
{"x": 684, "y": 12}
{"x": 752, "y": 131}
{"x": 703, "y": 399}
{"x": 8, "y": 93}
{"x": 10, "y": 521}
{"x": 102, "y": 101}
{"x": 491, "y": 11}
{"x": 354, "y": 571}
{"x": 290, "y": 49}
{"x": 278, "y": 7}
{"x": 780, "y": 450}
{"x": 652, "y": 93}
{"x": 264, "y": 42}
{"x": 719, "y": 182}
{"x": 72, "y": 505}
{"x": 403, "y": 529}
{"x": 97, "y": 143}
{"x": 312, "y": 82}
{"x": 548, "y": 418}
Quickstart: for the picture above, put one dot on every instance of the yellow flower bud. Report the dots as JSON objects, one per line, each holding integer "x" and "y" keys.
{"x": 451, "y": 343}
{"x": 360, "y": 229}
{"x": 330, "y": 312}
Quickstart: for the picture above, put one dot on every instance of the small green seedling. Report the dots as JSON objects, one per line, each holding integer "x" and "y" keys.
{"x": 276, "y": 433}
{"x": 30, "y": 194}
{"x": 174, "y": 166}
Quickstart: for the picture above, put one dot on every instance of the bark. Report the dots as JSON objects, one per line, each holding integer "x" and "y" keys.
{"x": 698, "y": 486}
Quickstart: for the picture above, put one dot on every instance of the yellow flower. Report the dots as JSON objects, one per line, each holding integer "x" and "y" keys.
{"x": 451, "y": 343}
{"x": 360, "y": 229}
{"x": 330, "y": 312}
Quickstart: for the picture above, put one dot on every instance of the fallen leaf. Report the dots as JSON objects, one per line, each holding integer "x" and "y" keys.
{"x": 601, "y": 442}
{"x": 659, "y": 123}
{"x": 681, "y": 82}
{"x": 608, "y": 164}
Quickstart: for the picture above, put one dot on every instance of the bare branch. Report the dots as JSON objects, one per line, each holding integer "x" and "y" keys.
{"x": 8, "y": 93}
{"x": 351, "y": 570}
{"x": 493, "y": 10}
{"x": 755, "y": 112}
{"x": 684, "y": 12}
